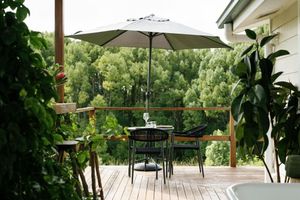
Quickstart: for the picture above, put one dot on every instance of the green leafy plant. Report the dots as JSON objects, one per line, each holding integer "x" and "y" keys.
{"x": 28, "y": 169}
{"x": 111, "y": 126}
{"x": 262, "y": 104}
{"x": 58, "y": 72}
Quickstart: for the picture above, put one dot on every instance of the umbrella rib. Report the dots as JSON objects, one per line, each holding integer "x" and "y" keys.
{"x": 154, "y": 34}
{"x": 143, "y": 33}
{"x": 172, "y": 47}
{"x": 217, "y": 42}
{"x": 112, "y": 38}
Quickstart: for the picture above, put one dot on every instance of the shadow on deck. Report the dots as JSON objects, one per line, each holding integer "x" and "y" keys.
{"x": 186, "y": 183}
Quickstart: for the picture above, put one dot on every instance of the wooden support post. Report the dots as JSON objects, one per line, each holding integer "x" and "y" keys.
{"x": 59, "y": 43}
{"x": 92, "y": 114}
{"x": 94, "y": 163}
{"x": 232, "y": 142}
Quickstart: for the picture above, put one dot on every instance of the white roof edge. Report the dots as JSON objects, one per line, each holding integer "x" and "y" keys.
{"x": 232, "y": 10}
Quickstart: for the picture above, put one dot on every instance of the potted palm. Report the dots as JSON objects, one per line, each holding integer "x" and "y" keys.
{"x": 263, "y": 105}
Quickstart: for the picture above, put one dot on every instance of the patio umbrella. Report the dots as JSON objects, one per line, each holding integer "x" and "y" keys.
{"x": 150, "y": 32}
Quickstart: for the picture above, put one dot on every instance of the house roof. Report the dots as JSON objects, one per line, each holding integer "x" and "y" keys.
{"x": 247, "y": 13}
{"x": 233, "y": 9}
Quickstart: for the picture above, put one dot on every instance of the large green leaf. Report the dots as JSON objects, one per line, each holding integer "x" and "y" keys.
{"x": 250, "y": 134}
{"x": 287, "y": 85}
{"x": 265, "y": 144}
{"x": 22, "y": 13}
{"x": 240, "y": 69}
{"x": 248, "y": 64}
{"x": 239, "y": 132}
{"x": 235, "y": 86}
{"x": 236, "y": 106}
{"x": 263, "y": 121}
{"x": 20, "y": 1}
{"x": 266, "y": 67}
{"x": 282, "y": 149}
{"x": 254, "y": 58}
{"x": 278, "y": 54}
{"x": 247, "y": 50}
{"x": 82, "y": 157}
{"x": 266, "y": 39}
{"x": 275, "y": 76}
{"x": 257, "y": 96}
{"x": 251, "y": 34}
{"x": 248, "y": 109}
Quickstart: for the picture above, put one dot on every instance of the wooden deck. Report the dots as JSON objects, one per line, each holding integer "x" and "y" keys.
{"x": 186, "y": 183}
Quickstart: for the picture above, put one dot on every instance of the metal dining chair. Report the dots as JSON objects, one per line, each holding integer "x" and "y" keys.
{"x": 151, "y": 142}
{"x": 195, "y": 134}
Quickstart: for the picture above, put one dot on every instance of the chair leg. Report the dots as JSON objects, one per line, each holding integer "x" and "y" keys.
{"x": 129, "y": 156}
{"x": 156, "y": 169}
{"x": 171, "y": 167}
{"x": 132, "y": 166}
{"x": 129, "y": 161}
{"x": 200, "y": 161}
{"x": 164, "y": 170}
{"x": 202, "y": 166}
{"x": 166, "y": 167}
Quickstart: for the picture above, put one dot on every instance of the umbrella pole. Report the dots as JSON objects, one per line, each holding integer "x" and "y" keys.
{"x": 149, "y": 72}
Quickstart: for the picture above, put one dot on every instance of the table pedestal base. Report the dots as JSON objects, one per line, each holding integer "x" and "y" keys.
{"x": 146, "y": 167}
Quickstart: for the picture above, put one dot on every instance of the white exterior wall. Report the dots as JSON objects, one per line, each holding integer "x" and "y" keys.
{"x": 286, "y": 24}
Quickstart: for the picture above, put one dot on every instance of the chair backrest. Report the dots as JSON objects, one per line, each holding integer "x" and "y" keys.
{"x": 197, "y": 131}
{"x": 149, "y": 135}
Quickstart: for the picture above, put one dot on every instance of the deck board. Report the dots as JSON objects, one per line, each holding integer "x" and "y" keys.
{"x": 121, "y": 188}
{"x": 204, "y": 193}
{"x": 196, "y": 192}
{"x": 143, "y": 188}
{"x": 114, "y": 188}
{"x": 157, "y": 189}
{"x": 136, "y": 187}
{"x": 180, "y": 191}
{"x": 188, "y": 191}
{"x": 150, "y": 189}
{"x": 173, "y": 190}
{"x": 166, "y": 191}
{"x": 186, "y": 183}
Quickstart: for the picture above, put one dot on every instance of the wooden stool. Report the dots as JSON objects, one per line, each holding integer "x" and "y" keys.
{"x": 95, "y": 172}
{"x": 70, "y": 147}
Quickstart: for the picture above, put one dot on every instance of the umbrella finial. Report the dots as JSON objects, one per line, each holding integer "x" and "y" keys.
{"x": 150, "y": 17}
{"x": 156, "y": 19}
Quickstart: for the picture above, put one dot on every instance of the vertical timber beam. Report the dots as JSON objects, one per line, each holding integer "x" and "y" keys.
{"x": 232, "y": 142}
{"x": 59, "y": 43}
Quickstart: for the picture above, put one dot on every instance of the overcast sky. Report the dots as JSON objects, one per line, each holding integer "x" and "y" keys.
{"x": 89, "y": 14}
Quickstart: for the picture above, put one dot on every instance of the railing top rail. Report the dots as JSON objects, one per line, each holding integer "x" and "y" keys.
{"x": 86, "y": 109}
{"x": 163, "y": 108}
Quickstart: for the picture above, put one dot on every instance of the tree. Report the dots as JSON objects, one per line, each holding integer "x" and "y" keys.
{"x": 27, "y": 139}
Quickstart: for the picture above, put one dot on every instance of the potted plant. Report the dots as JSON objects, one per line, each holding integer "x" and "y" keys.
{"x": 264, "y": 104}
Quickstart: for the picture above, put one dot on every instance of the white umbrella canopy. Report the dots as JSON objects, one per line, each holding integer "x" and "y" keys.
{"x": 150, "y": 32}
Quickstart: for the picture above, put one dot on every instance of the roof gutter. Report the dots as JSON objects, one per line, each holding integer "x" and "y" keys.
{"x": 232, "y": 37}
{"x": 233, "y": 9}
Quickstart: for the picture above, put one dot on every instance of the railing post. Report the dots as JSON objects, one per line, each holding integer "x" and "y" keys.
{"x": 59, "y": 43}
{"x": 92, "y": 114}
{"x": 232, "y": 141}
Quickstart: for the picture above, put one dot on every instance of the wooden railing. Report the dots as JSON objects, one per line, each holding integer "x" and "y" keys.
{"x": 230, "y": 137}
